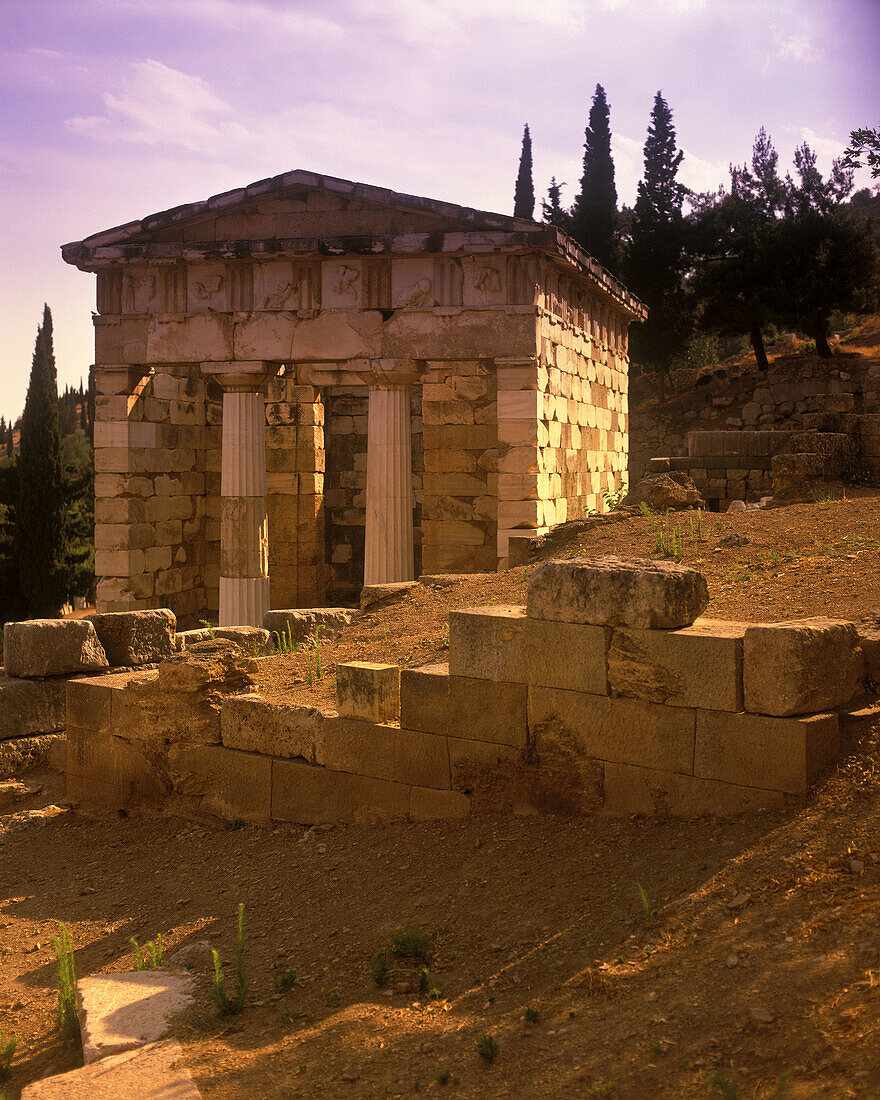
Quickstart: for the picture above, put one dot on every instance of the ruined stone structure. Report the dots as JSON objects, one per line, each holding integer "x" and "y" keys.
{"x": 307, "y": 383}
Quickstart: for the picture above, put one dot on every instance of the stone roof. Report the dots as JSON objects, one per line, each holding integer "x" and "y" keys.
{"x": 468, "y": 228}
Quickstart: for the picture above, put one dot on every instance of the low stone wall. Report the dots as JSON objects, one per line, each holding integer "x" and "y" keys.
{"x": 607, "y": 693}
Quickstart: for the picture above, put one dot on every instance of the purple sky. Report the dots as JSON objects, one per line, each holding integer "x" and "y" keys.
{"x": 114, "y": 109}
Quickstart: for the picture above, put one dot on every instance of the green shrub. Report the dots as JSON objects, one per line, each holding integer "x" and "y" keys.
{"x": 232, "y": 1005}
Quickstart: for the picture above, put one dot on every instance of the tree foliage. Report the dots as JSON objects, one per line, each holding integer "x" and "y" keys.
{"x": 865, "y": 144}
{"x": 524, "y": 194}
{"x": 552, "y": 210}
{"x": 656, "y": 258}
{"x": 594, "y": 214}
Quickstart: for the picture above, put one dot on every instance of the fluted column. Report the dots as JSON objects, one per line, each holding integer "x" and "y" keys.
{"x": 244, "y": 523}
{"x": 389, "y": 532}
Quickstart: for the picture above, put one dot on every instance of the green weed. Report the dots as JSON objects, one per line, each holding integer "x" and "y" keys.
{"x": 235, "y": 823}
{"x": 212, "y": 633}
{"x": 487, "y": 1048}
{"x": 66, "y": 1011}
{"x": 283, "y": 640}
{"x": 718, "y": 1083}
{"x": 603, "y": 1089}
{"x": 232, "y": 1005}
{"x": 614, "y": 498}
{"x": 155, "y": 954}
{"x": 646, "y": 903}
{"x": 411, "y": 941}
{"x": 531, "y": 1015}
{"x": 284, "y": 982}
{"x": 7, "y": 1054}
{"x": 379, "y": 968}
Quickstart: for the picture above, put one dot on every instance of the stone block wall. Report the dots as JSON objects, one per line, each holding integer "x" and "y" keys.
{"x": 536, "y": 710}
{"x": 150, "y": 491}
{"x": 460, "y": 480}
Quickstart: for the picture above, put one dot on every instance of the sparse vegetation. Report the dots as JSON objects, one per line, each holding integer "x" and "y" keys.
{"x": 284, "y": 981}
{"x": 411, "y": 941}
{"x": 531, "y": 1015}
{"x": 152, "y": 956}
{"x": 722, "y": 1087}
{"x": 487, "y": 1048}
{"x": 647, "y": 910}
{"x": 8, "y": 1048}
{"x": 379, "y": 968}
{"x": 232, "y": 1005}
{"x": 66, "y": 1011}
{"x": 283, "y": 640}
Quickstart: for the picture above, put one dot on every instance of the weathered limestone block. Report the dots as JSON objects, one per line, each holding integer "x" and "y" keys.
{"x": 29, "y": 707}
{"x": 136, "y": 637}
{"x": 304, "y": 623}
{"x": 626, "y": 730}
{"x": 386, "y": 752}
{"x": 426, "y": 804}
{"x": 501, "y": 643}
{"x": 382, "y": 595}
{"x": 697, "y": 666}
{"x": 869, "y": 639}
{"x": 801, "y": 666}
{"x": 51, "y": 647}
{"x": 614, "y": 591}
{"x": 254, "y": 640}
{"x": 252, "y": 723}
{"x": 368, "y": 691}
{"x": 630, "y": 789}
{"x": 424, "y": 698}
{"x": 665, "y": 490}
{"x": 220, "y": 782}
{"x": 317, "y": 796}
{"x": 118, "y": 1012}
{"x": 108, "y": 773}
{"x": 782, "y": 754}
{"x": 153, "y": 1070}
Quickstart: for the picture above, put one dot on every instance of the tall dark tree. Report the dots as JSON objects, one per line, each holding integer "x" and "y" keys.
{"x": 594, "y": 215}
{"x": 735, "y": 242}
{"x": 552, "y": 210}
{"x": 865, "y": 144}
{"x": 40, "y": 542}
{"x": 524, "y": 195}
{"x": 656, "y": 259}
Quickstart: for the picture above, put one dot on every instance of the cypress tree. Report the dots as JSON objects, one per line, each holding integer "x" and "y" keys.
{"x": 40, "y": 527}
{"x": 552, "y": 210}
{"x": 524, "y": 195}
{"x": 594, "y": 217}
{"x": 656, "y": 258}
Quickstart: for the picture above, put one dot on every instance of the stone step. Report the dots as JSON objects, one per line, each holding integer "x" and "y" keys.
{"x": 151, "y": 1072}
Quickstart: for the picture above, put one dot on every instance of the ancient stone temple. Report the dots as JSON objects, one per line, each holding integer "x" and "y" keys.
{"x": 309, "y": 384}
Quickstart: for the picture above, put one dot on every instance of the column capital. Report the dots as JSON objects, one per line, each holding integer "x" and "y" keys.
{"x": 241, "y": 376}
{"x": 391, "y": 374}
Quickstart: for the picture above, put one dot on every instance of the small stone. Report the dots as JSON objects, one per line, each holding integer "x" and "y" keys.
{"x": 732, "y": 961}
{"x": 856, "y": 866}
{"x": 761, "y": 1015}
{"x": 739, "y": 901}
{"x": 733, "y": 540}
{"x": 350, "y": 1075}
{"x": 495, "y": 948}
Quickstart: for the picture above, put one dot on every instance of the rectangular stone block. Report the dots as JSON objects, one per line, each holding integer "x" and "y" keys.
{"x": 488, "y": 643}
{"x": 801, "y": 666}
{"x": 368, "y": 691}
{"x": 386, "y": 752}
{"x": 626, "y": 730}
{"x": 252, "y": 723}
{"x": 51, "y": 647}
{"x": 697, "y": 666}
{"x": 490, "y": 710}
{"x": 615, "y": 591}
{"x": 29, "y": 707}
{"x": 630, "y": 789}
{"x": 426, "y": 804}
{"x": 783, "y": 754}
{"x": 104, "y": 772}
{"x": 136, "y": 637}
{"x": 221, "y": 782}
{"x": 316, "y": 796}
{"x": 572, "y": 656}
{"x": 424, "y": 698}
{"x": 89, "y": 700}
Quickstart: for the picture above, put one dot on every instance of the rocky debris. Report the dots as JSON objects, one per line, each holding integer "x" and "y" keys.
{"x": 305, "y": 624}
{"x": 736, "y": 506}
{"x": 615, "y": 591}
{"x": 730, "y": 541}
{"x": 805, "y": 477}
{"x": 150, "y": 1071}
{"x": 132, "y": 638}
{"x": 23, "y": 753}
{"x": 29, "y": 707}
{"x": 801, "y": 667}
{"x": 52, "y": 647}
{"x": 662, "y": 491}
{"x": 254, "y": 640}
{"x": 382, "y": 595}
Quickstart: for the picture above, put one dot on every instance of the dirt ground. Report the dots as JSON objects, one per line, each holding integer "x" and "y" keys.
{"x": 748, "y": 967}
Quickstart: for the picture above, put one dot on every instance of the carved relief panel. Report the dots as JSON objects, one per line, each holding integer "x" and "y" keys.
{"x": 287, "y": 286}
{"x": 137, "y": 289}
{"x": 485, "y": 281}
{"x": 342, "y": 284}
{"x": 206, "y": 288}
{"x": 412, "y": 284}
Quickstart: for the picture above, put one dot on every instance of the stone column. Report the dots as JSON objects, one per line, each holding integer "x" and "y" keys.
{"x": 388, "y": 553}
{"x": 244, "y": 527}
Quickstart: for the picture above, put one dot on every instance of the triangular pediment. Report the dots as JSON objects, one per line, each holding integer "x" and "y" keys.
{"x": 302, "y": 204}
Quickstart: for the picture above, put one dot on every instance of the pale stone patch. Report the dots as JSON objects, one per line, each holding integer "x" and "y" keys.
{"x": 120, "y": 1011}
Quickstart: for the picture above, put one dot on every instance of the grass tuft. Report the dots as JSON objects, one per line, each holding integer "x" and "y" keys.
{"x": 155, "y": 954}
{"x": 7, "y": 1054}
{"x": 232, "y": 1005}
{"x": 66, "y": 1011}
{"x": 411, "y": 941}
{"x": 487, "y": 1048}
